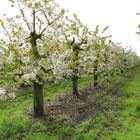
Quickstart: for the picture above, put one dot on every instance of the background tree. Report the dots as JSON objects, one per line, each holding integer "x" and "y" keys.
{"x": 95, "y": 55}
{"x": 76, "y": 38}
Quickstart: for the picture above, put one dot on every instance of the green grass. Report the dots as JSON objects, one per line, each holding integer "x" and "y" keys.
{"x": 13, "y": 118}
{"x": 89, "y": 129}
{"x": 129, "y": 116}
{"x": 14, "y": 122}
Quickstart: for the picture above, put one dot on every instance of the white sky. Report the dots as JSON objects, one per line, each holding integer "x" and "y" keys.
{"x": 119, "y": 15}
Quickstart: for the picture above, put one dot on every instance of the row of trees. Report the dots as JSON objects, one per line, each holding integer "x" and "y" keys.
{"x": 41, "y": 43}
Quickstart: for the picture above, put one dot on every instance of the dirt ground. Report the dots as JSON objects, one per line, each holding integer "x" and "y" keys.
{"x": 75, "y": 110}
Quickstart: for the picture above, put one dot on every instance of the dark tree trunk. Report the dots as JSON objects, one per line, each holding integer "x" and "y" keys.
{"x": 75, "y": 86}
{"x": 38, "y": 100}
{"x": 122, "y": 71}
{"x": 112, "y": 74}
{"x": 95, "y": 80}
{"x": 95, "y": 76}
{"x": 76, "y": 50}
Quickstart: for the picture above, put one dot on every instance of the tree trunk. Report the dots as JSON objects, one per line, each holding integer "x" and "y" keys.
{"x": 38, "y": 100}
{"x": 75, "y": 86}
{"x": 75, "y": 70}
{"x": 38, "y": 88}
{"x": 95, "y": 76}
{"x": 112, "y": 74}
{"x": 95, "y": 80}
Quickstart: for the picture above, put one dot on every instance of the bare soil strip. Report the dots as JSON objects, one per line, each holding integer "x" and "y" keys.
{"x": 87, "y": 106}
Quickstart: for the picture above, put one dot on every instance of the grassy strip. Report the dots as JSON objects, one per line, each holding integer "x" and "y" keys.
{"x": 127, "y": 123}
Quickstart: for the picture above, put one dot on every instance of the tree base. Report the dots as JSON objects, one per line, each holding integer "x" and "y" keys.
{"x": 75, "y": 93}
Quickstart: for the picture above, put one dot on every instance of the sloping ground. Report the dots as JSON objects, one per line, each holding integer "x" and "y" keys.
{"x": 109, "y": 112}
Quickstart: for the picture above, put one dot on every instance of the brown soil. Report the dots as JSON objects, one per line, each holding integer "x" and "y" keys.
{"x": 75, "y": 110}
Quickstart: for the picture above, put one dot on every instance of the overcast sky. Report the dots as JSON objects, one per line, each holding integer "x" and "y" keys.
{"x": 119, "y": 15}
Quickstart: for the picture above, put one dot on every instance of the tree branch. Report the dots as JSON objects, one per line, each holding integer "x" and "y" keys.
{"x": 84, "y": 41}
{"x": 23, "y": 15}
{"x": 49, "y": 23}
{"x": 4, "y": 28}
{"x": 42, "y": 31}
{"x": 34, "y": 31}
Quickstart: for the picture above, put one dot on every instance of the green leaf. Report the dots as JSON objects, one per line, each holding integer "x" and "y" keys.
{"x": 12, "y": 5}
{"x": 105, "y": 29}
{"x": 12, "y": 1}
{"x": 37, "y": 5}
{"x": 96, "y": 30}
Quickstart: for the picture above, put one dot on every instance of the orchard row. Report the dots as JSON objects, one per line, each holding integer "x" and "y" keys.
{"x": 45, "y": 43}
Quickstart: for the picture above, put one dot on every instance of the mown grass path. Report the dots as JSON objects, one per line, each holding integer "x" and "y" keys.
{"x": 126, "y": 125}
